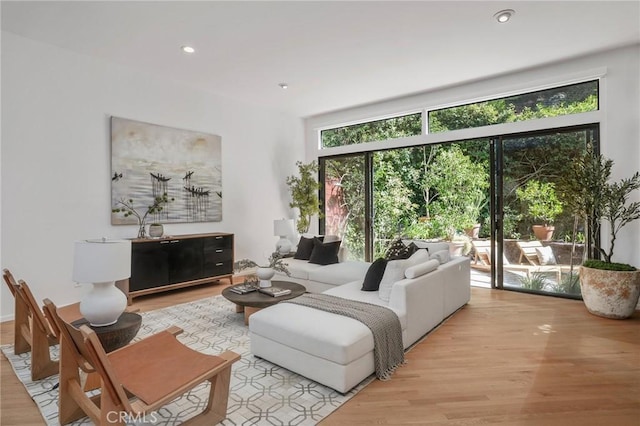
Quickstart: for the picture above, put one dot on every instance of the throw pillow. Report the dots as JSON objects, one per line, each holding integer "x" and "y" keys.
{"x": 423, "y": 268}
{"x": 545, "y": 256}
{"x": 305, "y": 247}
{"x": 324, "y": 253}
{"x": 392, "y": 273}
{"x": 420, "y": 255}
{"x": 374, "y": 275}
{"x": 398, "y": 250}
{"x": 442, "y": 256}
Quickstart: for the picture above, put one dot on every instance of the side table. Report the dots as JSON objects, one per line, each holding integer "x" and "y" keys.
{"x": 116, "y": 335}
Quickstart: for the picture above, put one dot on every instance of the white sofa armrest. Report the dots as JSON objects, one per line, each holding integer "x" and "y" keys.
{"x": 421, "y": 299}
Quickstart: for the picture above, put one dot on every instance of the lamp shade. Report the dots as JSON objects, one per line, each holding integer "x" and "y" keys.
{"x": 282, "y": 227}
{"x": 97, "y": 261}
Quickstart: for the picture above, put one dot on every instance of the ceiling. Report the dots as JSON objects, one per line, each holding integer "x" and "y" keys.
{"x": 332, "y": 54}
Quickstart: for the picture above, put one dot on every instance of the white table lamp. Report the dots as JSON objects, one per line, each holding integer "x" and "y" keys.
{"x": 102, "y": 263}
{"x": 283, "y": 228}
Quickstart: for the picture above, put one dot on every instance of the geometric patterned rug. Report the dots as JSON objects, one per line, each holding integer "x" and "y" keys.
{"x": 261, "y": 393}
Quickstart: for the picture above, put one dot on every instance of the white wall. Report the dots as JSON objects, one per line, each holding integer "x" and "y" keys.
{"x": 56, "y": 160}
{"x": 619, "y": 116}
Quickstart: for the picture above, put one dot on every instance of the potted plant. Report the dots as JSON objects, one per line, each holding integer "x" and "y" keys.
{"x": 264, "y": 272}
{"x": 542, "y": 204}
{"x": 304, "y": 194}
{"x": 609, "y": 289}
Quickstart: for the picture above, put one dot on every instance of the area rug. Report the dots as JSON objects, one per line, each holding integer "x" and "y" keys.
{"x": 261, "y": 393}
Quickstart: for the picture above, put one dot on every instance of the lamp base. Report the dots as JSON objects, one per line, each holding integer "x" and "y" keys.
{"x": 103, "y": 305}
{"x": 283, "y": 246}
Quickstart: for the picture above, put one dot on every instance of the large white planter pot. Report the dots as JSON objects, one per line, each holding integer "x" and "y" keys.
{"x": 265, "y": 275}
{"x": 610, "y": 294}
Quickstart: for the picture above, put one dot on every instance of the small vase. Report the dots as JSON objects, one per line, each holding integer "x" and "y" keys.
{"x": 142, "y": 233}
{"x": 156, "y": 230}
{"x": 265, "y": 275}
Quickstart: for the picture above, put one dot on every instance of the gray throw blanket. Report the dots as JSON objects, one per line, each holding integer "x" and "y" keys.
{"x": 388, "y": 351}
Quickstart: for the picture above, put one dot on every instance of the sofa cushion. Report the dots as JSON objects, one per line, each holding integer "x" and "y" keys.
{"x": 423, "y": 268}
{"x": 329, "y": 336}
{"x": 339, "y": 273}
{"x": 305, "y": 247}
{"x": 545, "y": 255}
{"x": 352, "y": 291}
{"x": 374, "y": 275}
{"x": 395, "y": 272}
{"x": 324, "y": 253}
{"x": 442, "y": 256}
{"x": 300, "y": 268}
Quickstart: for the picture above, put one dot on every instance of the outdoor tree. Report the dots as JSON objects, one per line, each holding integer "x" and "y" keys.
{"x": 304, "y": 193}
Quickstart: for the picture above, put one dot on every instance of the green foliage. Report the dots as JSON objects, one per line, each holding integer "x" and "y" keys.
{"x": 547, "y": 103}
{"x": 535, "y": 281}
{"x": 570, "y": 284}
{"x": 608, "y": 266}
{"x": 457, "y": 189}
{"x": 541, "y": 200}
{"x": 396, "y": 127}
{"x": 592, "y": 197}
{"x": 304, "y": 193}
{"x": 391, "y": 200}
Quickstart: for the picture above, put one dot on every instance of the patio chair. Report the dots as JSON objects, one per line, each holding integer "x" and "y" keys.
{"x": 32, "y": 332}
{"x": 482, "y": 260}
{"x": 154, "y": 371}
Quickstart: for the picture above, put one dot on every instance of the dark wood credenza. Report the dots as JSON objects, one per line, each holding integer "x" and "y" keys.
{"x": 178, "y": 261}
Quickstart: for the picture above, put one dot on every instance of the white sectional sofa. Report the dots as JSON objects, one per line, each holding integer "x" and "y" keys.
{"x": 337, "y": 351}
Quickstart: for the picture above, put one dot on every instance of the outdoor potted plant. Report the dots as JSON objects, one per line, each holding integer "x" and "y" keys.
{"x": 542, "y": 204}
{"x": 264, "y": 272}
{"x": 609, "y": 289}
{"x": 304, "y": 194}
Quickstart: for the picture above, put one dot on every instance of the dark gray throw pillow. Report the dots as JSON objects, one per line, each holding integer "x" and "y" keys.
{"x": 374, "y": 275}
{"x": 398, "y": 250}
{"x": 305, "y": 247}
{"x": 324, "y": 253}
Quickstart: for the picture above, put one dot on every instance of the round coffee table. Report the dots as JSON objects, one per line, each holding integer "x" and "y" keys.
{"x": 252, "y": 302}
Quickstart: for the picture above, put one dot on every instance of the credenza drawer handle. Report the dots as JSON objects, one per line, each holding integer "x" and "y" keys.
{"x": 219, "y": 264}
{"x": 219, "y": 238}
{"x": 219, "y": 251}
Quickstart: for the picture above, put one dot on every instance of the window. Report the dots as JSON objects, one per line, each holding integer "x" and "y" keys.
{"x": 564, "y": 100}
{"x": 389, "y": 128}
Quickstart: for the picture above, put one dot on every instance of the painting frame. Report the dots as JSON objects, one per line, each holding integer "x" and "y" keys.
{"x": 151, "y": 160}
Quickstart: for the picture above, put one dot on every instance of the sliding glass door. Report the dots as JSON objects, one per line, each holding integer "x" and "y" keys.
{"x": 541, "y": 243}
{"x": 345, "y": 194}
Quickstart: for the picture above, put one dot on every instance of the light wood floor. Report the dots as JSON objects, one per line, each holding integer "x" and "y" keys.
{"x": 506, "y": 358}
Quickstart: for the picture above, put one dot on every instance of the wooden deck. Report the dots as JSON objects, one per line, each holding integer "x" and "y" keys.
{"x": 506, "y": 358}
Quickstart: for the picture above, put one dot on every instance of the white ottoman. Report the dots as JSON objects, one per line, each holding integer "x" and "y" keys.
{"x": 331, "y": 349}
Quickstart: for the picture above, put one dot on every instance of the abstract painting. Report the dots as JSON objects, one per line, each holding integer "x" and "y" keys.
{"x": 149, "y": 160}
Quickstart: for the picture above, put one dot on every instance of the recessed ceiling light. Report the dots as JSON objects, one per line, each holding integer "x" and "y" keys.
{"x": 504, "y": 15}
{"x": 283, "y": 85}
{"x": 188, "y": 49}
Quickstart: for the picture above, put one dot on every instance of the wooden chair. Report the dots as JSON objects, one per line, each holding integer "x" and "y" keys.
{"x": 32, "y": 331}
{"x": 154, "y": 370}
